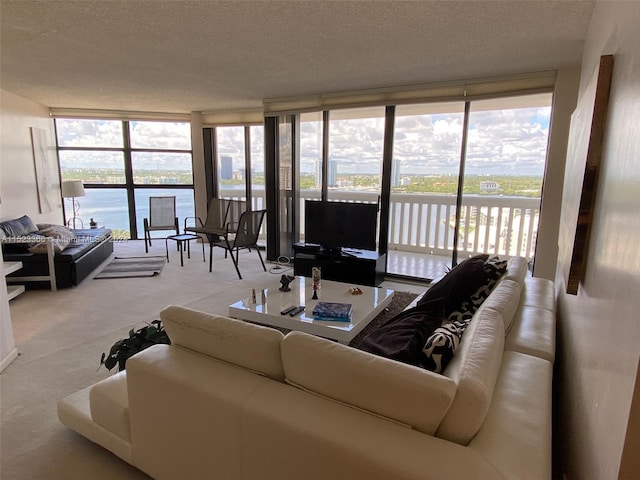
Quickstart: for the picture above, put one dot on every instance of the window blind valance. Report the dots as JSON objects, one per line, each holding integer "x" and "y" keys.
{"x": 117, "y": 115}
{"x": 221, "y": 118}
{"x": 471, "y": 89}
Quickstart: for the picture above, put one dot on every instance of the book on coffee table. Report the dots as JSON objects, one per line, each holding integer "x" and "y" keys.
{"x": 332, "y": 311}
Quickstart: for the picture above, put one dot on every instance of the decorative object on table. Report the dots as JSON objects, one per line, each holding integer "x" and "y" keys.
{"x": 355, "y": 291}
{"x": 586, "y": 139}
{"x": 253, "y": 296}
{"x": 72, "y": 189}
{"x": 93, "y": 223}
{"x": 130, "y": 267}
{"x": 332, "y": 311}
{"x": 285, "y": 280}
{"x": 46, "y": 172}
{"x": 263, "y": 297}
{"x": 315, "y": 276}
{"x": 137, "y": 341}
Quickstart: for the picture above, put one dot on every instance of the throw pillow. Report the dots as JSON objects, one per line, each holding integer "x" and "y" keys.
{"x": 403, "y": 337}
{"x": 442, "y": 345}
{"x": 19, "y": 227}
{"x": 61, "y": 236}
{"x": 58, "y": 231}
{"x": 457, "y": 286}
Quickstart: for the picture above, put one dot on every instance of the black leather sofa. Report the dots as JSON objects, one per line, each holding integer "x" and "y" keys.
{"x": 82, "y": 256}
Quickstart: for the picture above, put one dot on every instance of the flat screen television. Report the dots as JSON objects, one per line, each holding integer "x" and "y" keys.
{"x": 337, "y": 225}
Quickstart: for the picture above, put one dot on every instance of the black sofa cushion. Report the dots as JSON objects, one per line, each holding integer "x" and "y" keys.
{"x": 403, "y": 337}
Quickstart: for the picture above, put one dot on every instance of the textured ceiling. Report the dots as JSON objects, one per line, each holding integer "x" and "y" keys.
{"x": 182, "y": 56}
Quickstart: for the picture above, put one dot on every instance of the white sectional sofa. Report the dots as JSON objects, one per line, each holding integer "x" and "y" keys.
{"x": 232, "y": 400}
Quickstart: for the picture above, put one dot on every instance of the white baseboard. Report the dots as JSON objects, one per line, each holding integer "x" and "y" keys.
{"x": 8, "y": 359}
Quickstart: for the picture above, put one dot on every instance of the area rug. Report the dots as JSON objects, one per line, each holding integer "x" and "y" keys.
{"x": 130, "y": 267}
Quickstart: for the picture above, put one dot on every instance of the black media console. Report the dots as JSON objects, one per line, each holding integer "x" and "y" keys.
{"x": 362, "y": 267}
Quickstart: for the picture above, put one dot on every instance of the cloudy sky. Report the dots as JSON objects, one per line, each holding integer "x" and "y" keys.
{"x": 509, "y": 141}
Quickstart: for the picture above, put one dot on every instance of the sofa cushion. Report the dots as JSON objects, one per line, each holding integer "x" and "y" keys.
{"x": 516, "y": 434}
{"x": 19, "y": 227}
{"x": 59, "y": 235}
{"x": 402, "y": 338}
{"x": 474, "y": 369}
{"x": 505, "y": 299}
{"x": 110, "y": 405}
{"x": 394, "y": 390}
{"x": 244, "y": 344}
{"x": 517, "y": 268}
{"x": 538, "y": 292}
{"x": 533, "y": 332}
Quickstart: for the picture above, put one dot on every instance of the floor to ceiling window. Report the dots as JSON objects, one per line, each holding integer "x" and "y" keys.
{"x": 356, "y": 142}
{"x": 504, "y": 170}
{"x": 231, "y": 162}
{"x": 256, "y": 136}
{"x": 310, "y": 171}
{"x": 492, "y": 169}
{"x": 425, "y": 171}
{"x": 121, "y": 164}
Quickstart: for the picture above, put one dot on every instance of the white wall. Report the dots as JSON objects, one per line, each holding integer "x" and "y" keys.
{"x": 599, "y": 329}
{"x": 17, "y": 170}
{"x": 18, "y": 185}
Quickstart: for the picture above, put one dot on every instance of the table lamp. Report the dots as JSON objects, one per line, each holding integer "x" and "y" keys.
{"x": 72, "y": 189}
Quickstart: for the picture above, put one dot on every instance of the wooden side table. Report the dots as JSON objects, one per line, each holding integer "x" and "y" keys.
{"x": 181, "y": 240}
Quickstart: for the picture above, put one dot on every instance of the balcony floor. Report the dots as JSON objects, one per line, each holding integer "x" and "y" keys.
{"x": 421, "y": 266}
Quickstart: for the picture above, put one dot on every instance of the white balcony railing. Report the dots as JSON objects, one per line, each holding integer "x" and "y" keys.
{"x": 423, "y": 223}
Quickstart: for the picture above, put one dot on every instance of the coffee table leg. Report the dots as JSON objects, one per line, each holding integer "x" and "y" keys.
{"x": 188, "y": 248}
{"x": 166, "y": 246}
{"x": 181, "y": 247}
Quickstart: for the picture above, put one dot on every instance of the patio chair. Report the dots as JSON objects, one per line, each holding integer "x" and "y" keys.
{"x": 244, "y": 236}
{"x": 162, "y": 216}
{"x": 222, "y": 216}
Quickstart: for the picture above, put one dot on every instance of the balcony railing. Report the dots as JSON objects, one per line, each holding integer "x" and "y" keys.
{"x": 424, "y": 223}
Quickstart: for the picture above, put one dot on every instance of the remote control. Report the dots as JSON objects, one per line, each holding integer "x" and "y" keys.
{"x": 288, "y": 310}
{"x": 296, "y": 311}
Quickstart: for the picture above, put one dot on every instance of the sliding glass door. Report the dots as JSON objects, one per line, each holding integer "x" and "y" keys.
{"x": 424, "y": 186}
{"x": 504, "y": 170}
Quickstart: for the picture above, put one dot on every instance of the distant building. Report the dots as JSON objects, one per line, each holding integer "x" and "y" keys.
{"x": 332, "y": 177}
{"x": 226, "y": 168}
{"x": 489, "y": 187}
{"x": 318, "y": 173}
{"x": 395, "y": 174}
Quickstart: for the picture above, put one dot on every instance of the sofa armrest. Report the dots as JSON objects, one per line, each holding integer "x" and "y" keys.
{"x": 516, "y": 435}
{"x": 186, "y": 412}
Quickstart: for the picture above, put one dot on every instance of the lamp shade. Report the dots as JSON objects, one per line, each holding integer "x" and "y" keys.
{"x": 72, "y": 189}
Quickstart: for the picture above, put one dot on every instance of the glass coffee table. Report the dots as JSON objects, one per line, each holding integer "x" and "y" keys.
{"x": 366, "y": 307}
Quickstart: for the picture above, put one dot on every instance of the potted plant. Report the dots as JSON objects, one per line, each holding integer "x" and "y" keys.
{"x": 137, "y": 341}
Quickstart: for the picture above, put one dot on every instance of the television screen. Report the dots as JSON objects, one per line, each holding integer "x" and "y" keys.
{"x": 336, "y": 225}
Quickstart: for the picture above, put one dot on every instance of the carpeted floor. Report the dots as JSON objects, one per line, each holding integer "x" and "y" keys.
{"x": 60, "y": 336}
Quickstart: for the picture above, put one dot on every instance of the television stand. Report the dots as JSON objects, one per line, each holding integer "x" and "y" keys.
{"x": 362, "y": 267}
